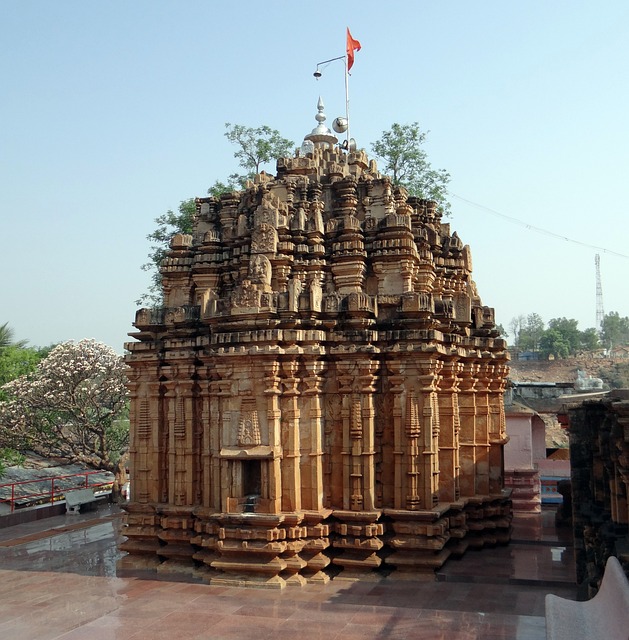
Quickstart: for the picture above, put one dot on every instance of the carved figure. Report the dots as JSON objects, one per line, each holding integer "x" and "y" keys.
{"x": 294, "y": 291}
{"x": 264, "y": 239}
{"x": 260, "y": 269}
{"x": 316, "y": 295}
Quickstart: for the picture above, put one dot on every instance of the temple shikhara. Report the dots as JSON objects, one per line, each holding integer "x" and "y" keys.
{"x": 321, "y": 394}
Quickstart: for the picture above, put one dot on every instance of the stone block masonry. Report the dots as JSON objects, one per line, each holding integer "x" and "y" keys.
{"x": 321, "y": 394}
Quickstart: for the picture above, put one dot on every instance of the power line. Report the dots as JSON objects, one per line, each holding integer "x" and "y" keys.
{"x": 532, "y": 227}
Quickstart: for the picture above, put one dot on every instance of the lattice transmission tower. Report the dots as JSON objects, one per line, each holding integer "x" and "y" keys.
{"x": 600, "y": 312}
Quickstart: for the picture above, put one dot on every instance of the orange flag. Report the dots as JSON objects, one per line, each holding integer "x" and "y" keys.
{"x": 352, "y": 45}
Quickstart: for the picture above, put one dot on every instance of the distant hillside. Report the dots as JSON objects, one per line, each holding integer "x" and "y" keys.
{"x": 614, "y": 373}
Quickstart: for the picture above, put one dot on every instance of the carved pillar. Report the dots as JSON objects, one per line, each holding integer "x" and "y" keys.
{"x": 211, "y": 424}
{"x": 177, "y": 524}
{"x": 312, "y": 433}
{"x": 415, "y": 471}
{"x": 272, "y": 393}
{"x": 497, "y": 428}
{"x": 367, "y": 380}
{"x": 291, "y": 476}
{"x": 141, "y": 437}
{"x": 358, "y": 531}
{"x": 429, "y": 437}
{"x": 481, "y": 427}
{"x": 418, "y": 531}
{"x": 467, "y": 436}
{"x": 180, "y": 400}
{"x": 141, "y": 521}
{"x": 223, "y": 391}
{"x": 450, "y": 425}
{"x": 396, "y": 381}
{"x": 356, "y": 380}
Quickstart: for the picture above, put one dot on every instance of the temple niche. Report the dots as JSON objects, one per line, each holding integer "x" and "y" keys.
{"x": 322, "y": 393}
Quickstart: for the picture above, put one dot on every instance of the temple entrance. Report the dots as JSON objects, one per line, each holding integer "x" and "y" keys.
{"x": 252, "y": 477}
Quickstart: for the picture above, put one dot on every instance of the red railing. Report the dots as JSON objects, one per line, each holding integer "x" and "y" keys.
{"x": 54, "y": 493}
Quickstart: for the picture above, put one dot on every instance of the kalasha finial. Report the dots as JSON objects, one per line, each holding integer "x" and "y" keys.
{"x": 320, "y": 117}
{"x": 321, "y": 135}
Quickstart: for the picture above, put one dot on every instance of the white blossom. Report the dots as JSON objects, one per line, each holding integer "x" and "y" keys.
{"x": 69, "y": 405}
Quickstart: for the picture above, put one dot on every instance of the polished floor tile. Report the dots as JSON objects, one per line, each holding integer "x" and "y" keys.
{"x": 58, "y": 581}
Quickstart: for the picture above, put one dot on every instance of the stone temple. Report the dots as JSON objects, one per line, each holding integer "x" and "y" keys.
{"x": 322, "y": 393}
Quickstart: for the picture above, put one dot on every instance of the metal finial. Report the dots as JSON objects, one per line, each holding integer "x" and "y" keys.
{"x": 321, "y": 134}
{"x": 320, "y": 117}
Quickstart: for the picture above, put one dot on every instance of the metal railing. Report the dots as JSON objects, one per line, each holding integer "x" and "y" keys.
{"x": 53, "y": 491}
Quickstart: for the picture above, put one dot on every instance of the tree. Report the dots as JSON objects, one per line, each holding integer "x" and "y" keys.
{"x": 554, "y": 343}
{"x": 590, "y": 340}
{"x": 501, "y": 331}
{"x": 515, "y": 326}
{"x": 7, "y": 337}
{"x": 15, "y": 360}
{"x": 18, "y": 361}
{"x": 400, "y": 148}
{"x": 569, "y": 331}
{"x": 71, "y": 407}
{"x": 531, "y": 332}
{"x": 615, "y": 330}
{"x": 168, "y": 225}
{"x": 254, "y": 147}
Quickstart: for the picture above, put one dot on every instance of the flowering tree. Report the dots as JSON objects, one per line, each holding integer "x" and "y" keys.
{"x": 70, "y": 407}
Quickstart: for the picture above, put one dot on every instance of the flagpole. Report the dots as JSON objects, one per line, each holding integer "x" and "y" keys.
{"x": 348, "y": 60}
{"x": 346, "y": 101}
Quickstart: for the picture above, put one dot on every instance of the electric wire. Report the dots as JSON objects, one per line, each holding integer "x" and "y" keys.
{"x": 532, "y": 227}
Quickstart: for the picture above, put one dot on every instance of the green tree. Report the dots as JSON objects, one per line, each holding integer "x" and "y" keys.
{"x": 168, "y": 224}
{"x": 18, "y": 361}
{"x": 554, "y": 343}
{"x": 615, "y": 331}
{"x": 71, "y": 407}
{"x": 7, "y": 337}
{"x": 531, "y": 333}
{"x": 590, "y": 340}
{"x": 255, "y": 147}
{"x": 406, "y": 161}
{"x": 569, "y": 331}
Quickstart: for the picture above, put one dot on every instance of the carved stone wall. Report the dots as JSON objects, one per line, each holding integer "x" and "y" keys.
{"x": 599, "y": 462}
{"x": 321, "y": 393}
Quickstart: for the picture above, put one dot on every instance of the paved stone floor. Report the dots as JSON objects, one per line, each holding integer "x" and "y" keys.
{"x": 58, "y": 581}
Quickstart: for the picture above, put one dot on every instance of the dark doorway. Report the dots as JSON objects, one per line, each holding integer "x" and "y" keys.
{"x": 252, "y": 477}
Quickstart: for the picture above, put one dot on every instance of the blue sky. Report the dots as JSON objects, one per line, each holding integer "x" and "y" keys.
{"x": 113, "y": 112}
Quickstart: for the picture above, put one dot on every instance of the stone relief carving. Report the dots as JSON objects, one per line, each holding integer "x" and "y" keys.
{"x": 246, "y": 295}
{"x": 264, "y": 239}
{"x": 248, "y": 429}
{"x": 260, "y": 270}
{"x": 294, "y": 291}
{"x": 316, "y": 296}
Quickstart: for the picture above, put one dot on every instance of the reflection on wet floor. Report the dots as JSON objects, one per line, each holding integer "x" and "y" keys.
{"x": 58, "y": 581}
